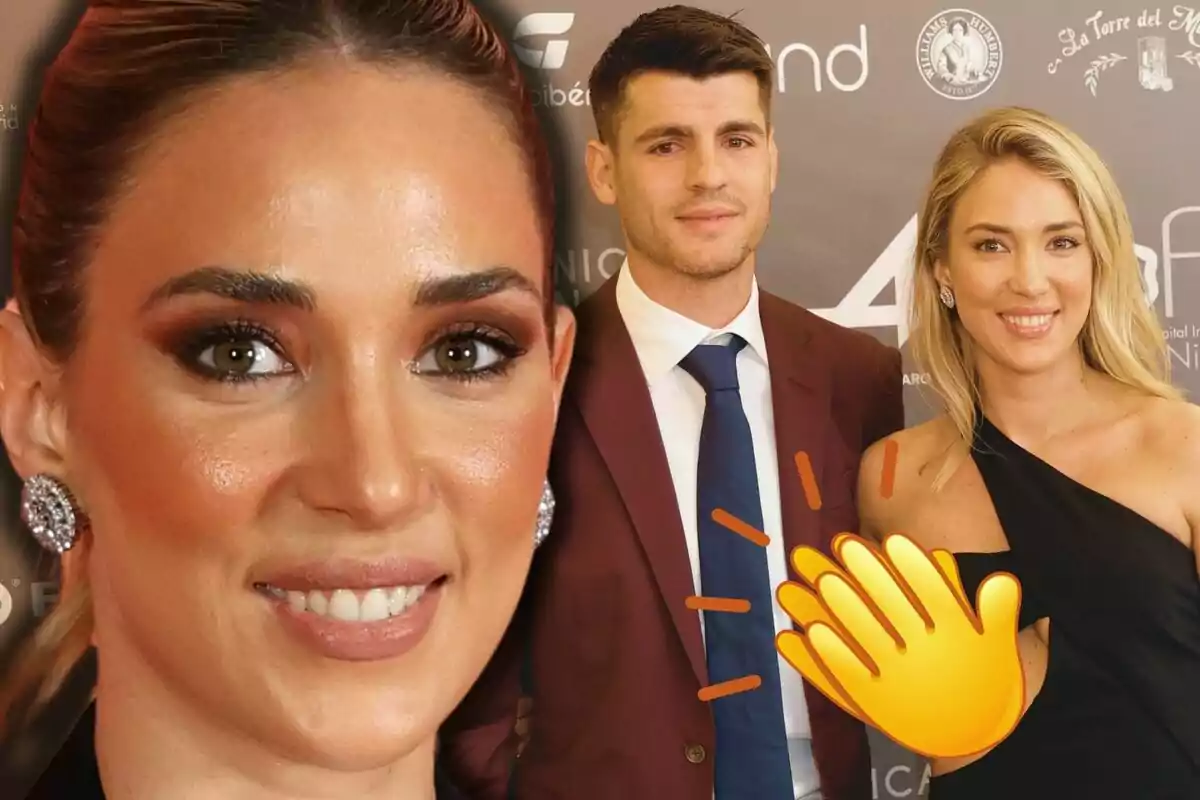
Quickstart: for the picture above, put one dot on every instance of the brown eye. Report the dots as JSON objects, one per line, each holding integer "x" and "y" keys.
{"x": 470, "y": 355}
{"x": 240, "y": 358}
{"x": 233, "y": 352}
{"x": 234, "y": 357}
{"x": 459, "y": 355}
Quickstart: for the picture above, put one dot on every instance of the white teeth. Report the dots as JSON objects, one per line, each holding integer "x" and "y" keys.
{"x": 397, "y": 599}
{"x": 374, "y": 606}
{"x": 318, "y": 603}
{"x": 298, "y": 601}
{"x": 1032, "y": 321}
{"x": 348, "y": 605}
{"x": 343, "y": 605}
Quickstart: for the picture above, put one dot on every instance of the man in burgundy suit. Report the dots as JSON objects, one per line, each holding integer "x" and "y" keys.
{"x": 691, "y": 390}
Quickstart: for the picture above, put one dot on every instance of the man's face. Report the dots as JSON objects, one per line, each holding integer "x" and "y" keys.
{"x": 691, "y": 169}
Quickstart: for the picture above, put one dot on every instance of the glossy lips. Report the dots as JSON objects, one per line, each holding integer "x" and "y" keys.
{"x": 1028, "y": 323}
{"x": 356, "y": 611}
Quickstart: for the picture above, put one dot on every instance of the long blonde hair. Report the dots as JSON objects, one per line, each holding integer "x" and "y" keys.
{"x": 1122, "y": 337}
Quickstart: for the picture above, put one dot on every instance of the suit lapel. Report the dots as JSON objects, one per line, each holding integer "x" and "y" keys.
{"x": 800, "y": 395}
{"x": 611, "y": 394}
{"x": 802, "y": 391}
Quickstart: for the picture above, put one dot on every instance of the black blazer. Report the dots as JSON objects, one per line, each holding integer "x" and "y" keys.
{"x": 74, "y": 775}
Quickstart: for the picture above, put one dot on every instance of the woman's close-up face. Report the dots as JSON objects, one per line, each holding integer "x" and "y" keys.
{"x": 311, "y": 407}
{"x": 1020, "y": 267}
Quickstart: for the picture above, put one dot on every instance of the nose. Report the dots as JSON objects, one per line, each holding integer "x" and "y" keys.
{"x": 1029, "y": 277}
{"x": 705, "y": 170}
{"x": 363, "y": 461}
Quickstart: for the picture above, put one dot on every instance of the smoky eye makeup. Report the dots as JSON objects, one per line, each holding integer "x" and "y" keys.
{"x": 242, "y": 351}
{"x": 231, "y": 351}
{"x": 470, "y": 351}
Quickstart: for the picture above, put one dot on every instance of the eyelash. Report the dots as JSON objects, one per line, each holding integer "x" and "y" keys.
{"x": 189, "y": 350}
{"x": 508, "y": 349}
{"x": 657, "y": 149}
{"x": 1067, "y": 239}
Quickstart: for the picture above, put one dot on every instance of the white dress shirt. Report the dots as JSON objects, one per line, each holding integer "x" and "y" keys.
{"x": 662, "y": 338}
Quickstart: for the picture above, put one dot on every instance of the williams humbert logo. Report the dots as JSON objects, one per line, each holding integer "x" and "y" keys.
{"x": 1107, "y": 43}
{"x": 959, "y": 54}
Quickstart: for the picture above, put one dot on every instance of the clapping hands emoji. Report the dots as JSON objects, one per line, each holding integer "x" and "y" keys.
{"x": 890, "y": 636}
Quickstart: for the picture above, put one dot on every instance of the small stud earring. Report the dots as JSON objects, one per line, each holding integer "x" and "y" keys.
{"x": 947, "y": 297}
{"x": 545, "y": 515}
{"x": 50, "y": 512}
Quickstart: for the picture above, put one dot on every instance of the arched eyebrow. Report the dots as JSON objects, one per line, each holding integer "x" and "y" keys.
{"x": 259, "y": 288}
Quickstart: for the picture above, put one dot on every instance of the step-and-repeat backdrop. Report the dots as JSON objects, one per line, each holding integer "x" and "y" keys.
{"x": 861, "y": 110}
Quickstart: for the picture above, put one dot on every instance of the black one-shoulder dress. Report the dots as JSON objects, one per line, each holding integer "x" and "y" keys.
{"x": 1118, "y": 716}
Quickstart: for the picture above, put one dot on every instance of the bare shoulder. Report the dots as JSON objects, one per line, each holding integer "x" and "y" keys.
{"x": 1170, "y": 430}
{"x": 915, "y": 447}
{"x": 1169, "y": 433}
{"x": 897, "y": 470}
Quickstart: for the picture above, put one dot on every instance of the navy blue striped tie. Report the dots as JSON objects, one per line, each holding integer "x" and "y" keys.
{"x": 751, "y": 761}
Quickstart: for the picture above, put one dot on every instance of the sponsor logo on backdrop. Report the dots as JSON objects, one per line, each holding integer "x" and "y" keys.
{"x": 6, "y": 604}
{"x": 1183, "y": 338}
{"x": 899, "y": 781}
{"x": 1170, "y": 255}
{"x": 42, "y": 597}
{"x": 8, "y": 117}
{"x": 894, "y": 266}
{"x": 845, "y": 67}
{"x": 555, "y": 96}
{"x": 553, "y": 52}
{"x": 1128, "y": 43}
{"x": 548, "y": 55}
{"x": 847, "y": 74}
{"x": 583, "y": 268}
{"x": 959, "y": 54}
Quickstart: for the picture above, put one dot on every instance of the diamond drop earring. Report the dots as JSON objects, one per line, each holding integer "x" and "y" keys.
{"x": 947, "y": 297}
{"x": 50, "y": 512}
{"x": 545, "y": 515}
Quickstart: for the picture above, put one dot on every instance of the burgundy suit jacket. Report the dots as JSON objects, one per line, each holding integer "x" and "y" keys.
{"x": 602, "y": 645}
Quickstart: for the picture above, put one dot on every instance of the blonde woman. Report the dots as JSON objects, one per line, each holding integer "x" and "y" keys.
{"x": 1063, "y": 455}
{"x": 282, "y": 388}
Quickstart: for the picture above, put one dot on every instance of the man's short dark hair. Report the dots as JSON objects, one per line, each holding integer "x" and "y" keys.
{"x": 678, "y": 39}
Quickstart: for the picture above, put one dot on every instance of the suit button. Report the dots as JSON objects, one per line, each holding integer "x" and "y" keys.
{"x": 695, "y": 753}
